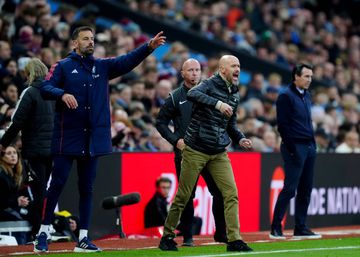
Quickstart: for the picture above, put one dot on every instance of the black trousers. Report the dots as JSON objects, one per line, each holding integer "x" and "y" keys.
{"x": 42, "y": 166}
{"x": 187, "y": 217}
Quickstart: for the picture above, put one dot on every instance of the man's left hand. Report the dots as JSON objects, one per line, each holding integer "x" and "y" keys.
{"x": 245, "y": 143}
{"x": 157, "y": 41}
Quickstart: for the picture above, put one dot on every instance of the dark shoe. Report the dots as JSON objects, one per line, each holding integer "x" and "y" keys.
{"x": 168, "y": 244}
{"x": 221, "y": 238}
{"x": 305, "y": 233}
{"x": 238, "y": 246}
{"x": 188, "y": 242}
{"x": 86, "y": 246}
{"x": 276, "y": 233}
{"x": 40, "y": 243}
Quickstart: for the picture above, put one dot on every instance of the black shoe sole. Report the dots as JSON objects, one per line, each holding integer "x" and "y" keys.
{"x": 168, "y": 249}
{"x": 239, "y": 250}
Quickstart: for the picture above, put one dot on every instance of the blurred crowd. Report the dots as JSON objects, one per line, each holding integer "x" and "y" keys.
{"x": 283, "y": 32}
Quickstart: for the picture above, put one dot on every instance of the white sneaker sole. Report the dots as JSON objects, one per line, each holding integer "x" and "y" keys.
{"x": 277, "y": 237}
{"x": 307, "y": 237}
{"x": 82, "y": 250}
{"x": 40, "y": 251}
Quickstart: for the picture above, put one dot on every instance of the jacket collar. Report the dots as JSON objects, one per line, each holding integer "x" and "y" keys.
{"x": 37, "y": 82}
{"x": 87, "y": 61}
{"x": 185, "y": 87}
{"x": 294, "y": 89}
{"x": 219, "y": 81}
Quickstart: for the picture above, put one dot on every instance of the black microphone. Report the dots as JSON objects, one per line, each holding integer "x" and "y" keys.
{"x": 120, "y": 200}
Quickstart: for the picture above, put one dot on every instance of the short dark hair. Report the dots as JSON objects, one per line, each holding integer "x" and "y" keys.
{"x": 297, "y": 70}
{"x": 162, "y": 180}
{"x": 77, "y": 31}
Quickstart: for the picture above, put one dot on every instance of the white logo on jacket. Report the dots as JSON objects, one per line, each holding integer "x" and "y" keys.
{"x": 74, "y": 71}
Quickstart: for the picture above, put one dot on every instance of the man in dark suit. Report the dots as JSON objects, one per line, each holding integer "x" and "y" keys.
{"x": 298, "y": 150}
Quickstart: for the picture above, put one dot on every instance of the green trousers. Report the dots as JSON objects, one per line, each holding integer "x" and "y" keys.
{"x": 220, "y": 169}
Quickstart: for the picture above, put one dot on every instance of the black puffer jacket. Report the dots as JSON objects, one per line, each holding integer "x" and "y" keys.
{"x": 8, "y": 191}
{"x": 209, "y": 130}
{"x": 34, "y": 116}
{"x": 178, "y": 110}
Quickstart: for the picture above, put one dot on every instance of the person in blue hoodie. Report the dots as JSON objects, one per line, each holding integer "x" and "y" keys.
{"x": 79, "y": 84}
{"x": 298, "y": 150}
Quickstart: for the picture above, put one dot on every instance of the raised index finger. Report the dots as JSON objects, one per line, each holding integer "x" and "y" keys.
{"x": 159, "y": 34}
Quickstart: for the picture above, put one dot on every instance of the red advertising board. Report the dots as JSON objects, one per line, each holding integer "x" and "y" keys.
{"x": 140, "y": 170}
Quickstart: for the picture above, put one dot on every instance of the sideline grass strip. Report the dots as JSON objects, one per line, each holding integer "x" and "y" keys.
{"x": 346, "y": 247}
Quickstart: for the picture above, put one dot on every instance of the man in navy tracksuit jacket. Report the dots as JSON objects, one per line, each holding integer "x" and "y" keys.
{"x": 298, "y": 150}
{"x": 79, "y": 84}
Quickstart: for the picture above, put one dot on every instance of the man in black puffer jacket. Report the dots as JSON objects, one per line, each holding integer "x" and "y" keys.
{"x": 212, "y": 125}
{"x": 178, "y": 110}
{"x": 34, "y": 117}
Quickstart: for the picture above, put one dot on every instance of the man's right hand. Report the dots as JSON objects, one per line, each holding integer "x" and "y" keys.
{"x": 180, "y": 144}
{"x": 70, "y": 101}
{"x": 226, "y": 109}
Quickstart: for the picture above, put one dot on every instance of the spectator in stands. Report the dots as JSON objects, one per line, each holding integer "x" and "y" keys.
{"x": 11, "y": 175}
{"x": 163, "y": 89}
{"x": 322, "y": 140}
{"x": 5, "y": 54}
{"x": 13, "y": 75}
{"x": 350, "y": 144}
{"x": 22, "y": 61}
{"x": 256, "y": 87}
{"x": 23, "y": 45}
{"x": 156, "y": 209}
{"x": 270, "y": 141}
{"x": 82, "y": 111}
{"x": 138, "y": 90}
{"x": 10, "y": 94}
{"x": 47, "y": 57}
{"x": 33, "y": 116}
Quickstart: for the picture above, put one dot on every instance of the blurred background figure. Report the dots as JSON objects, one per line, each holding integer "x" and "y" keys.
{"x": 350, "y": 144}
{"x": 13, "y": 202}
{"x": 34, "y": 117}
{"x": 157, "y": 208}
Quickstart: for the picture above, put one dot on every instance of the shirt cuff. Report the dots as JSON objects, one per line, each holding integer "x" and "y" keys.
{"x": 218, "y": 105}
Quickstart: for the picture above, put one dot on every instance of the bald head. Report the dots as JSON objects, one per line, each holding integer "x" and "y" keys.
{"x": 229, "y": 68}
{"x": 191, "y": 72}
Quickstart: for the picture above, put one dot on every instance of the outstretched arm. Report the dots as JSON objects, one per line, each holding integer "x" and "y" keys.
{"x": 127, "y": 62}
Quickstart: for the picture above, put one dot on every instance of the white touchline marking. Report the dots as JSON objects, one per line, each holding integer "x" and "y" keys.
{"x": 277, "y": 251}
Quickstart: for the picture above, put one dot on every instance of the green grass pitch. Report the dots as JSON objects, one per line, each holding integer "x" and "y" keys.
{"x": 345, "y": 247}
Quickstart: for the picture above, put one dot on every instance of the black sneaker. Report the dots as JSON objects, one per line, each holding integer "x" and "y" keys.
{"x": 168, "y": 244}
{"x": 188, "y": 242}
{"x": 220, "y": 238}
{"x": 238, "y": 246}
{"x": 305, "y": 233}
{"x": 276, "y": 233}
